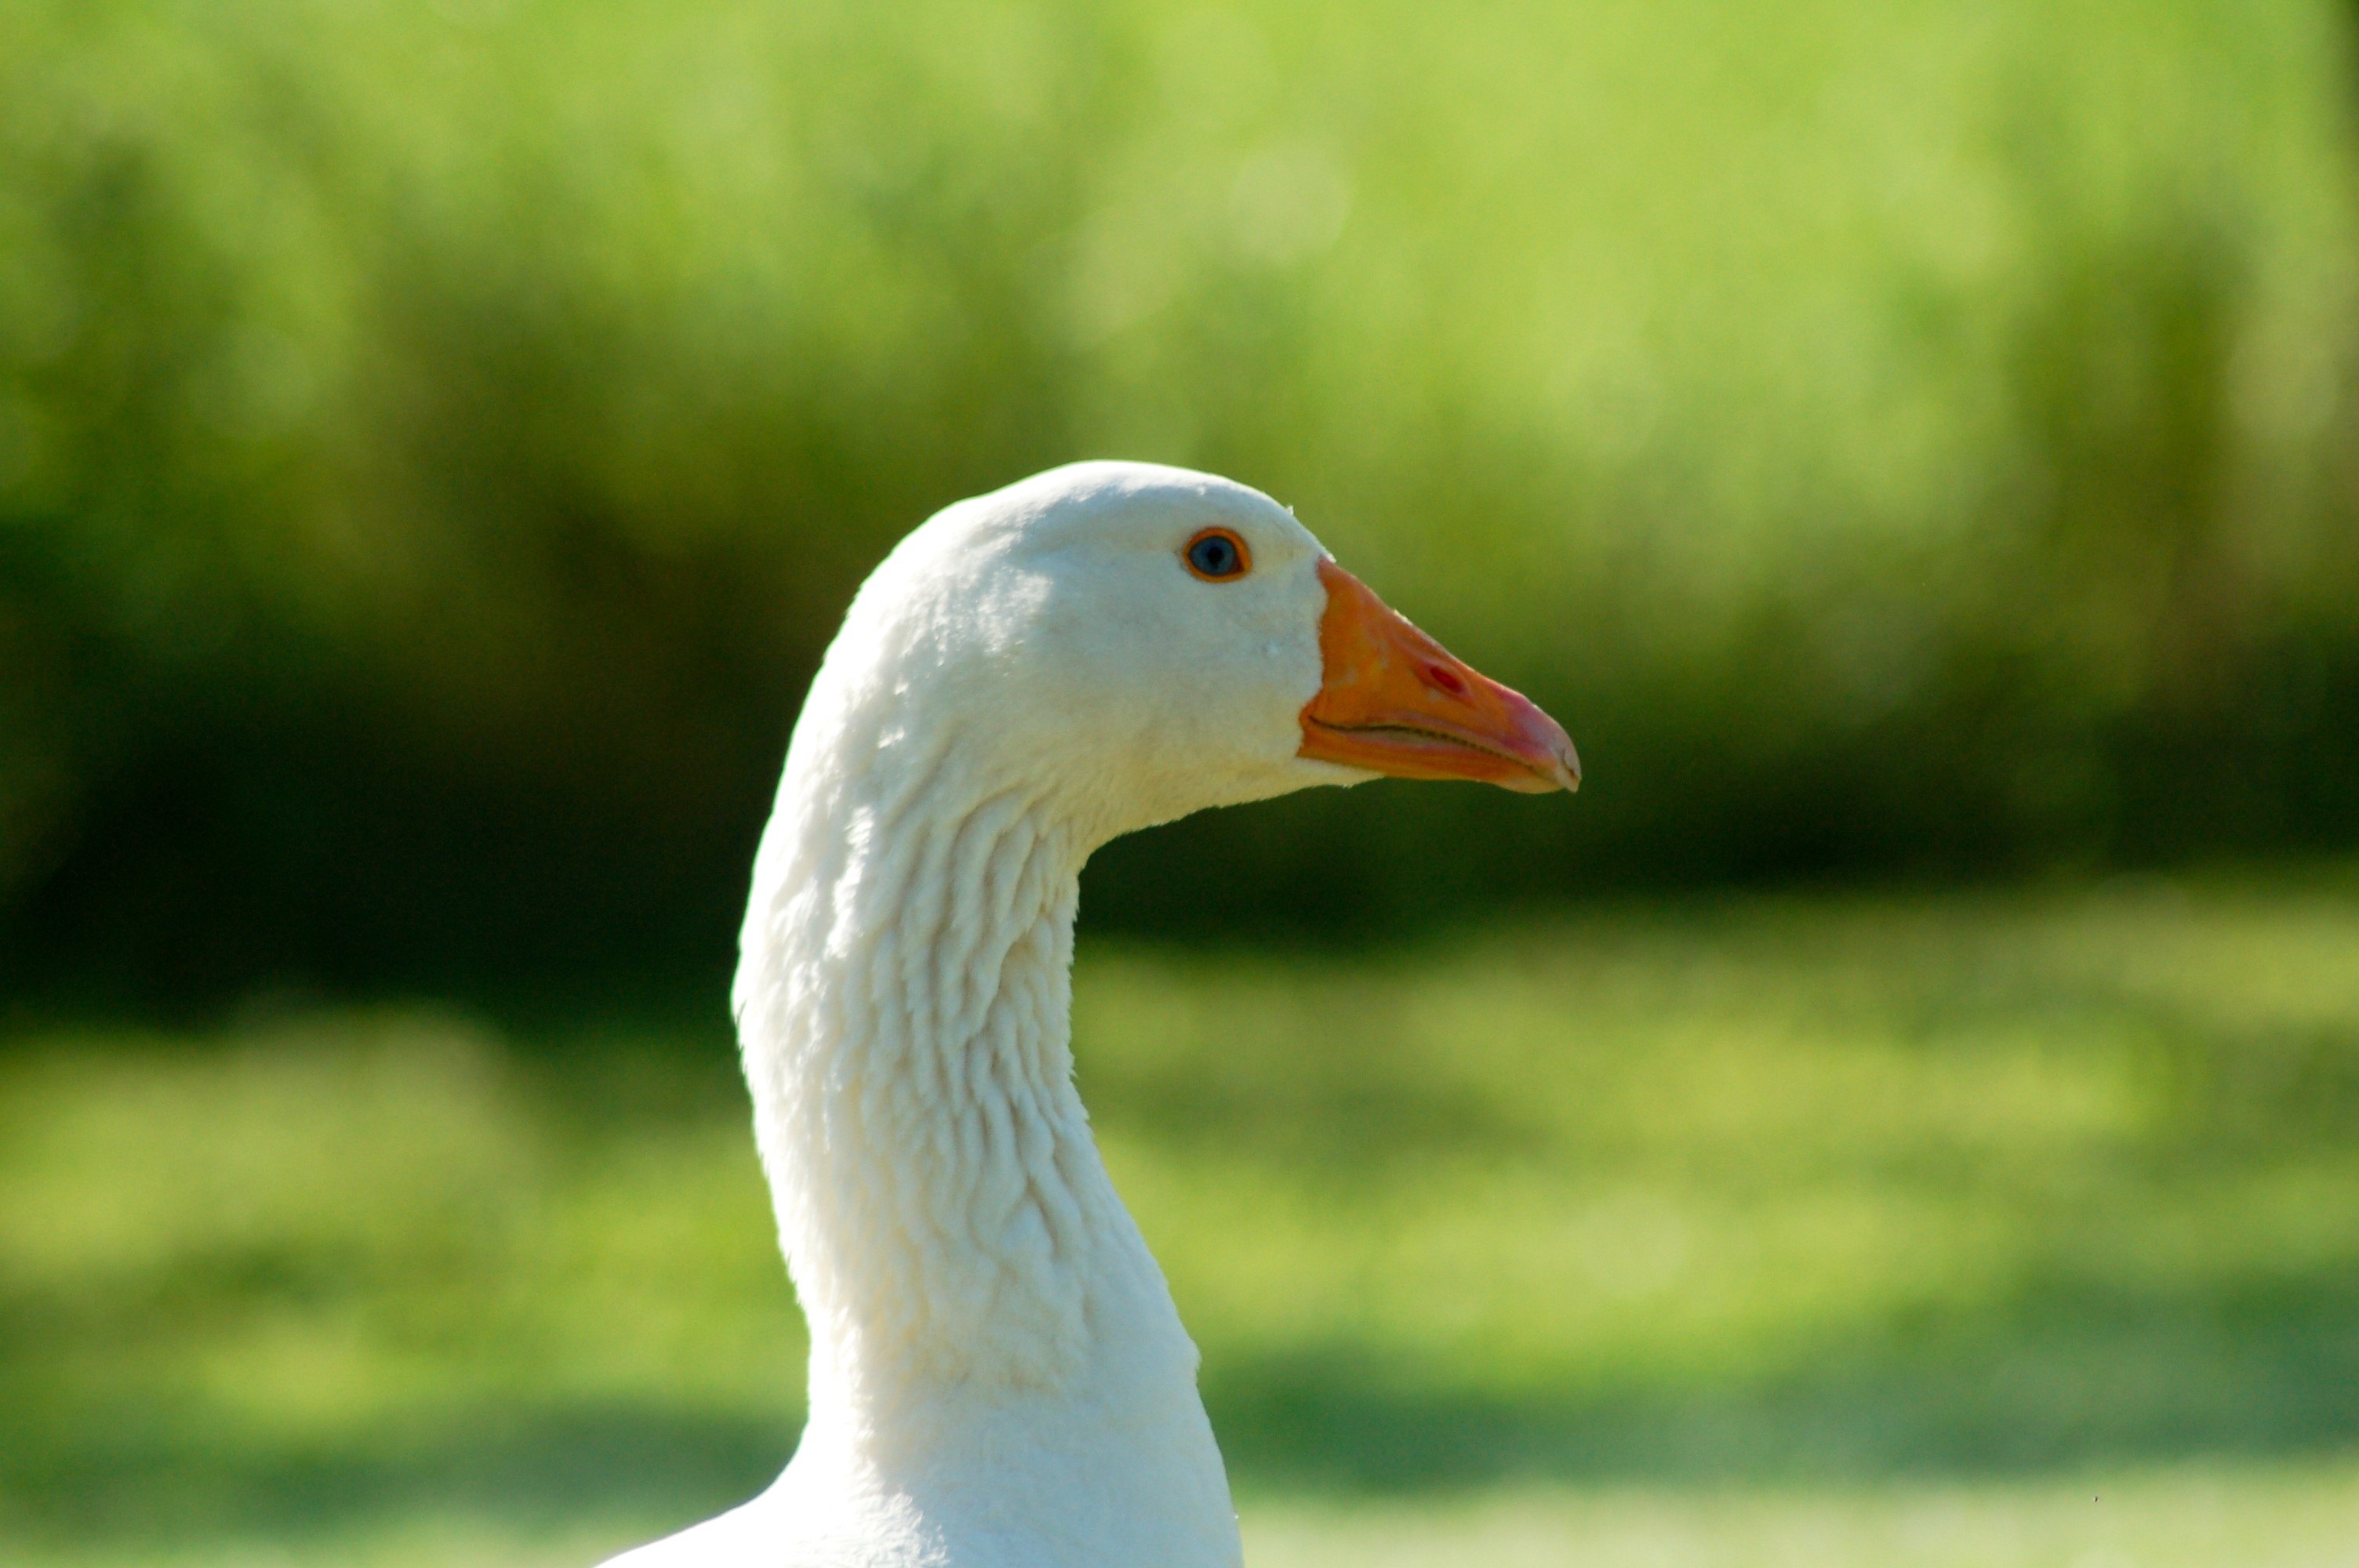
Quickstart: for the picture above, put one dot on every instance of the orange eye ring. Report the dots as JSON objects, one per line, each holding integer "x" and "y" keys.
{"x": 1217, "y": 555}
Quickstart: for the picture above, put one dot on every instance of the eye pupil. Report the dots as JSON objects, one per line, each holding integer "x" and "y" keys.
{"x": 1214, "y": 555}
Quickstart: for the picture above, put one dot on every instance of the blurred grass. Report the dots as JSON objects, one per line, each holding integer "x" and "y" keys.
{"x": 2251, "y": 1517}
{"x": 437, "y": 439}
{"x": 1885, "y": 1230}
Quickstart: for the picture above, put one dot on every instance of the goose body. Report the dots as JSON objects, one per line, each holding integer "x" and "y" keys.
{"x": 998, "y": 1378}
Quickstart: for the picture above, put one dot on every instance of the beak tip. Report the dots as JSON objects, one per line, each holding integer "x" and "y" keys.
{"x": 1563, "y": 767}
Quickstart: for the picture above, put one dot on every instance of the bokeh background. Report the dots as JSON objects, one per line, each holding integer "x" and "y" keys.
{"x": 1906, "y": 1108}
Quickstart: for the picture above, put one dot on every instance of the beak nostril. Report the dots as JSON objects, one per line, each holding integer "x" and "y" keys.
{"x": 1446, "y": 678}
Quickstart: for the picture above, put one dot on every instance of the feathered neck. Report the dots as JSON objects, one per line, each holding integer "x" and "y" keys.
{"x": 904, "y": 1002}
{"x": 998, "y": 1373}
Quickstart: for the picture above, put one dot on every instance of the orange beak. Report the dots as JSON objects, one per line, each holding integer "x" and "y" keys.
{"x": 1393, "y": 701}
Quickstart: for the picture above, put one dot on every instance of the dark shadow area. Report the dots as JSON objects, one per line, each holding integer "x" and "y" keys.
{"x": 141, "y": 1473}
{"x": 2071, "y": 1379}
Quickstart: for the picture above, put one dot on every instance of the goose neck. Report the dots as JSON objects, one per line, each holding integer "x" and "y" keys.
{"x": 905, "y": 1006}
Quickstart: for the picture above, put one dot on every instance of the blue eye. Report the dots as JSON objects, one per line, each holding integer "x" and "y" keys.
{"x": 1216, "y": 555}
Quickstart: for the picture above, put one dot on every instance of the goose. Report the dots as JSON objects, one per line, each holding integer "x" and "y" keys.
{"x": 998, "y": 1378}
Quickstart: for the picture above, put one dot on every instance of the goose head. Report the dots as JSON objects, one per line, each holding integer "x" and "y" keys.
{"x": 998, "y": 1374}
{"x": 1138, "y": 643}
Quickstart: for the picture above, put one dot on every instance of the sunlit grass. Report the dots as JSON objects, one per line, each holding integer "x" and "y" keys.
{"x": 1890, "y": 1231}
{"x": 2284, "y": 1517}
{"x": 2301, "y": 1517}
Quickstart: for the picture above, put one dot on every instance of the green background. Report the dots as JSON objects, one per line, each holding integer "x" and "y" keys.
{"x": 1904, "y": 1111}
{"x": 1864, "y": 1232}
{"x": 436, "y": 440}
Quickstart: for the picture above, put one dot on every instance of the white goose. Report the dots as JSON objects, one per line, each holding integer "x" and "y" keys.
{"x": 998, "y": 1378}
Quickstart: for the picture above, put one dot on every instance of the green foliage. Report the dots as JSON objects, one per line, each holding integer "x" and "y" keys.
{"x": 436, "y": 440}
{"x": 1779, "y": 1218}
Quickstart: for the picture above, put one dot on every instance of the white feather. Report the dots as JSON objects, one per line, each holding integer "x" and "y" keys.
{"x": 998, "y": 1378}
